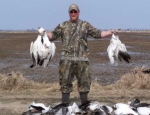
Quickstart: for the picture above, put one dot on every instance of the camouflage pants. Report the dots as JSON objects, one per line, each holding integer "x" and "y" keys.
{"x": 70, "y": 68}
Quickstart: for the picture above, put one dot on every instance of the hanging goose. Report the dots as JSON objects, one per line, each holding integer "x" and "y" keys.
{"x": 42, "y": 50}
{"x": 117, "y": 51}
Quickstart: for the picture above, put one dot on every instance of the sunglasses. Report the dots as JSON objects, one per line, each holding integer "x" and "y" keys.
{"x": 73, "y": 11}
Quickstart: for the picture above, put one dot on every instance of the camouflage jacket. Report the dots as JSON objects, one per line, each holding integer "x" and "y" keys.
{"x": 74, "y": 39}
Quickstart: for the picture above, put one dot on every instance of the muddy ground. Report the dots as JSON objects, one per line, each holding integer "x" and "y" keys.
{"x": 14, "y": 56}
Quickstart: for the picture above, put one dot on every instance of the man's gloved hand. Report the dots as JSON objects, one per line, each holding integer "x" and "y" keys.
{"x": 41, "y": 30}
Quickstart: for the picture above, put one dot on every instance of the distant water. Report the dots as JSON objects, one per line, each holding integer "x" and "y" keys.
{"x": 89, "y": 39}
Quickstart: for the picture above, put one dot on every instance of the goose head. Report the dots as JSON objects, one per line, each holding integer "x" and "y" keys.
{"x": 41, "y": 31}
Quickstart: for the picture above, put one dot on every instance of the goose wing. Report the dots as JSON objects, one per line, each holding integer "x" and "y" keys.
{"x": 111, "y": 53}
{"x": 143, "y": 105}
{"x": 33, "y": 54}
{"x": 35, "y": 51}
{"x": 53, "y": 49}
{"x": 93, "y": 106}
{"x": 75, "y": 108}
{"x": 123, "y": 52}
{"x": 40, "y": 50}
{"x": 46, "y": 46}
{"x": 112, "y": 50}
{"x": 143, "y": 110}
{"x": 85, "y": 105}
{"x": 31, "y": 49}
{"x": 121, "y": 108}
{"x": 39, "y": 45}
{"x": 39, "y": 106}
{"x": 46, "y": 61}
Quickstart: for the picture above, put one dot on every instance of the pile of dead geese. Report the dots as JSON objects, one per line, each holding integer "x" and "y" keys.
{"x": 134, "y": 107}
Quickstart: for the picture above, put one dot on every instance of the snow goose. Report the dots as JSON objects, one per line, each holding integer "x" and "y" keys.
{"x": 123, "y": 109}
{"x": 96, "y": 108}
{"x": 42, "y": 50}
{"x": 38, "y": 108}
{"x": 117, "y": 51}
{"x": 74, "y": 109}
{"x": 140, "y": 108}
{"x": 60, "y": 109}
{"x": 63, "y": 109}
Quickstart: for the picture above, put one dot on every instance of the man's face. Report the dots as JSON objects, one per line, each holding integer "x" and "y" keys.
{"x": 74, "y": 15}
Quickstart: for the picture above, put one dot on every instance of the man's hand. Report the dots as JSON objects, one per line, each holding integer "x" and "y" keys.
{"x": 49, "y": 35}
{"x": 115, "y": 31}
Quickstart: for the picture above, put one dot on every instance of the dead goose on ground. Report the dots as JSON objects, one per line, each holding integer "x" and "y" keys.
{"x": 140, "y": 108}
{"x": 123, "y": 109}
{"x": 95, "y": 108}
{"x": 37, "y": 109}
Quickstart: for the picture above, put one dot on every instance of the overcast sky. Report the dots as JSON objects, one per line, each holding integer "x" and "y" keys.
{"x": 102, "y": 14}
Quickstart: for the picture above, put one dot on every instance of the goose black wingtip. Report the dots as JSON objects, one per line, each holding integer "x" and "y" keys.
{"x": 32, "y": 66}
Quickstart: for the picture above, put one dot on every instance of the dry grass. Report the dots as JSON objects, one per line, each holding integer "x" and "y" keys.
{"x": 16, "y": 82}
{"x": 15, "y": 88}
{"x": 135, "y": 80}
{"x": 131, "y": 85}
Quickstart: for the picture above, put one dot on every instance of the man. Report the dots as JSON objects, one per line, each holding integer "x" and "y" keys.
{"x": 74, "y": 54}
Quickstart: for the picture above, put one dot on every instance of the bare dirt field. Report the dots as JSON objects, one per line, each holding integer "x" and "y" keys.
{"x": 15, "y": 61}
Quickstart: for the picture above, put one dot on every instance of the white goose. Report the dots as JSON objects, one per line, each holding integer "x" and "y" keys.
{"x": 99, "y": 108}
{"x": 117, "y": 51}
{"x": 140, "y": 108}
{"x": 42, "y": 50}
{"x": 143, "y": 110}
{"x": 74, "y": 109}
{"x": 70, "y": 110}
{"x": 123, "y": 109}
{"x": 39, "y": 107}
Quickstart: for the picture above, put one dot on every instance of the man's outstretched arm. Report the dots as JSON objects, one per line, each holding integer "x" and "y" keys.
{"x": 105, "y": 34}
{"x": 95, "y": 33}
{"x": 55, "y": 34}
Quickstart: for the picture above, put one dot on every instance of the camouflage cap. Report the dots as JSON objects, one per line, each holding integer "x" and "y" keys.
{"x": 73, "y": 7}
